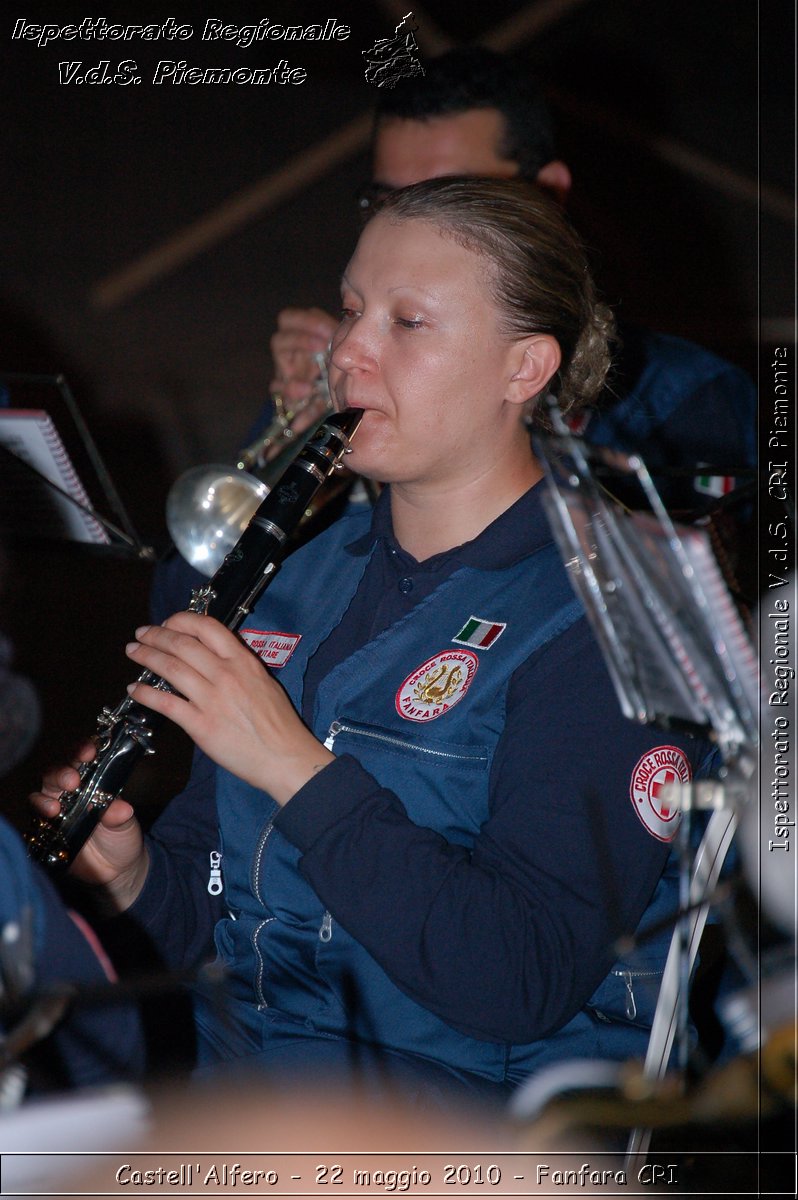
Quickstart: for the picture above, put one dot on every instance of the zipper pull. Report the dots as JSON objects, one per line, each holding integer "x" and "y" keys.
{"x": 631, "y": 1005}
{"x": 335, "y": 729}
{"x": 215, "y": 879}
{"x": 325, "y": 932}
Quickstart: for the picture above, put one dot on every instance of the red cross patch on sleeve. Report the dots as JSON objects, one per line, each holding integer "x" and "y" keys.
{"x": 655, "y": 770}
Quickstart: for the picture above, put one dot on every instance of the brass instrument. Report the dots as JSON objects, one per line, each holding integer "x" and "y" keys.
{"x": 208, "y": 507}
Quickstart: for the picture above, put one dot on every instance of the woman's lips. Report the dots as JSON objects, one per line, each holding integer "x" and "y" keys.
{"x": 342, "y": 402}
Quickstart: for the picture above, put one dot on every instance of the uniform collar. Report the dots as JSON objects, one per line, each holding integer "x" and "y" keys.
{"x": 520, "y": 531}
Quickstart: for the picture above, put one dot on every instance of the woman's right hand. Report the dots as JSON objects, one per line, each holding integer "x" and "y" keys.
{"x": 114, "y": 857}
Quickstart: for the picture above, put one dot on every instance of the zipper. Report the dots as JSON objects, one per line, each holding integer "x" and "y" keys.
{"x": 392, "y": 739}
{"x": 325, "y": 930}
{"x": 255, "y": 885}
{"x": 215, "y": 877}
{"x": 628, "y": 976}
{"x": 261, "y": 966}
{"x": 256, "y": 862}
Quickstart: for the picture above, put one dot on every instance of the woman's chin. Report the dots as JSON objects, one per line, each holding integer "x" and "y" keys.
{"x": 369, "y": 454}
{"x": 367, "y": 465}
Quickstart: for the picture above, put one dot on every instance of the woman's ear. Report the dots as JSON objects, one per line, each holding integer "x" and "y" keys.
{"x": 537, "y": 360}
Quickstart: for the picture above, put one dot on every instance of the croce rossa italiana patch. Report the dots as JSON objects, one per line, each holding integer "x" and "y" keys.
{"x": 659, "y": 767}
{"x": 436, "y": 686}
{"x": 274, "y": 648}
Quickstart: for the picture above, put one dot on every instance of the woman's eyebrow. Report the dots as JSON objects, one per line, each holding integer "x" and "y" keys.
{"x": 412, "y": 287}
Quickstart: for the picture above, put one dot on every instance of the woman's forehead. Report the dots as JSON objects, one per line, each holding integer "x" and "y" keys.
{"x": 413, "y": 246}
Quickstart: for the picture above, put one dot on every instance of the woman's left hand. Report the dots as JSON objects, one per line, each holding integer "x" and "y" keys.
{"x": 228, "y": 703}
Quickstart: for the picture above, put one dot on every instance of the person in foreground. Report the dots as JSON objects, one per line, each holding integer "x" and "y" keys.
{"x": 434, "y": 823}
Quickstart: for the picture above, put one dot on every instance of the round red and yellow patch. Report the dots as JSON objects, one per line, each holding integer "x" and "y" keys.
{"x": 436, "y": 686}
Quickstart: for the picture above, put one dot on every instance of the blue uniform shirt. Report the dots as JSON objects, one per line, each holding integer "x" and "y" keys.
{"x": 503, "y": 931}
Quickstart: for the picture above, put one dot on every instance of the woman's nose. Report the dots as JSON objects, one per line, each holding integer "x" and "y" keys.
{"x": 351, "y": 347}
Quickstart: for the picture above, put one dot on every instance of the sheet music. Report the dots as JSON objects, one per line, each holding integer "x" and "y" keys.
{"x": 31, "y": 435}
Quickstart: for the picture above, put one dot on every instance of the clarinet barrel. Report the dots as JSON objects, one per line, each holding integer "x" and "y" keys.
{"x": 125, "y": 734}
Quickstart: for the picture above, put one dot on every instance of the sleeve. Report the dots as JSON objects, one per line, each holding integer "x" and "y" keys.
{"x": 175, "y": 908}
{"x": 507, "y": 941}
{"x": 713, "y": 422}
{"x": 48, "y": 951}
{"x": 678, "y": 405}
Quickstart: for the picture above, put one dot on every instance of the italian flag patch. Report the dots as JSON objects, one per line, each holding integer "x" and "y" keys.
{"x": 479, "y": 633}
{"x": 715, "y": 485}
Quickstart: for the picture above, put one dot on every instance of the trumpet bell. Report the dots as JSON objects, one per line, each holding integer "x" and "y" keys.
{"x": 207, "y": 510}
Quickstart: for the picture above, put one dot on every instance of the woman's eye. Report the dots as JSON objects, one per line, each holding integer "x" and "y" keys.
{"x": 348, "y": 314}
{"x": 409, "y": 323}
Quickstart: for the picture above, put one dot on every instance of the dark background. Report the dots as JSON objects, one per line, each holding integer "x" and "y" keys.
{"x": 671, "y": 114}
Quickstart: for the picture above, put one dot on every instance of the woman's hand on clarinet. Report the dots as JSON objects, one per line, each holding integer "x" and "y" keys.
{"x": 114, "y": 856}
{"x": 227, "y": 703}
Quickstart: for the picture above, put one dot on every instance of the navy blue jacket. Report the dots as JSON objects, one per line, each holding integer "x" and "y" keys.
{"x": 505, "y": 934}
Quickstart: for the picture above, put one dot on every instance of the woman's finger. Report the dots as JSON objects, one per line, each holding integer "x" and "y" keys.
{"x": 180, "y": 649}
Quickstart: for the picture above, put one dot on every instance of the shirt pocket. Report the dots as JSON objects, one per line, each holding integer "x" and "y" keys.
{"x": 443, "y": 785}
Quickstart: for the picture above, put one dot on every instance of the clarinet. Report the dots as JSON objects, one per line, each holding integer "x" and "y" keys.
{"x": 124, "y": 734}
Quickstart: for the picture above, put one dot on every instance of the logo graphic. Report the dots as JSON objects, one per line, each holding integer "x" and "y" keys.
{"x": 437, "y": 685}
{"x": 655, "y": 770}
{"x": 480, "y": 633}
{"x": 288, "y": 493}
{"x": 394, "y": 58}
{"x": 274, "y": 648}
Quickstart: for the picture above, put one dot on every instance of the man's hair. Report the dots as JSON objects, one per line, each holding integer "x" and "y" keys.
{"x": 472, "y": 77}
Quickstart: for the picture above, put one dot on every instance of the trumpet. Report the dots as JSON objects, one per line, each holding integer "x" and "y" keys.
{"x": 256, "y": 455}
{"x": 209, "y": 507}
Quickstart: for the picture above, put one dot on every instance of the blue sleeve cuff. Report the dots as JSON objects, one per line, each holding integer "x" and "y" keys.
{"x": 324, "y": 801}
{"x": 151, "y": 903}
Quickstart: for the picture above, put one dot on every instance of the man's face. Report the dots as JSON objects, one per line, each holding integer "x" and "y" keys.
{"x": 464, "y": 143}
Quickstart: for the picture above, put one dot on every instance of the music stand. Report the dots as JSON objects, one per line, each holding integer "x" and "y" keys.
{"x": 56, "y": 485}
{"x": 674, "y": 644}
